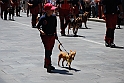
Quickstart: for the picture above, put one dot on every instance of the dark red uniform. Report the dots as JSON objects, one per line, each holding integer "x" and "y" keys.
{"x": 34, "y": 8}
{"x": 64, "y": 14}
{"x": 76, "y": 4}
{"x": 4, "y": 7}
{"x": 49, "y": 23}
{"x": 111, "y": 20}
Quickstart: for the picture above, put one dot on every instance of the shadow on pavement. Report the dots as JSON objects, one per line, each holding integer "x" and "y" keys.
{"x": 119, "y": 28}
{"x": 119, "y": 47}
{"x": 84, "y": 28}
{"x": 71, "y": 35}
{"x": 72, "y": 69}
{"x": 65, "y": 72}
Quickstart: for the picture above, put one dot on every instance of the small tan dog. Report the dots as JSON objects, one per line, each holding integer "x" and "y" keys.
{"x": 66, "y": 56}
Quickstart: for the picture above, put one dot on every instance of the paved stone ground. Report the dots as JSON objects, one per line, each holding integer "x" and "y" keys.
{"x": 22, "y": 55}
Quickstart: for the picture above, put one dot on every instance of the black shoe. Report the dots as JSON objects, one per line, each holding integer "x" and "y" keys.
{"x": 49, "y": 68}
{"x": 107, "y": 44}
{"x": 5, "y": 18}
{"x": 34, "y": 27}
{"x": 1, "y": 17}
{"x": 112, "y": 45}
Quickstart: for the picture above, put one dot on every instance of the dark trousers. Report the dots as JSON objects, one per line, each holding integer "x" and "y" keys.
{"x": 34, "y": 18}
{"x": 48, "y": 42}
{"x": 28, "y": 10}
{"x": 109, "y": 38}
{"x": 64, "y": 19}
{"x": 4, "y": 12}
{"x": 111, "y": 21}
{"x": 11, "y": 11}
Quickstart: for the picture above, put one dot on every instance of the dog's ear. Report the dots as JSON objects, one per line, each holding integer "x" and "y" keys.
{"x": 70, "y": 50}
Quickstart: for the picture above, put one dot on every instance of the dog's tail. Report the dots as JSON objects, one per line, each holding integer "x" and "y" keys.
{"x": 59, "y": 47}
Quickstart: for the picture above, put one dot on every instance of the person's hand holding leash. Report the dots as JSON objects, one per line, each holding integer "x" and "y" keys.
{"x": 42, "y": 32}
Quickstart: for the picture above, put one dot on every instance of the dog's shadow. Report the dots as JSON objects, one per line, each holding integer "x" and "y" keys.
{"x": 65, "y": 72}
{"x": 71, "y": 69}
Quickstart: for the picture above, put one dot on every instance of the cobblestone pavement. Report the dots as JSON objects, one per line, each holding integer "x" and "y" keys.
{"x": 22, "y": 55}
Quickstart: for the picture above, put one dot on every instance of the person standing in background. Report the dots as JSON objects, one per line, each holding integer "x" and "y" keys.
{"x": 64, "y": 7}
{"x": 35, "y": 9}
{"x": 76, "y": 6}
{"x": 87, "y": 4}
{"x": 4, "y": 6}
{"x": 109, "y": 13}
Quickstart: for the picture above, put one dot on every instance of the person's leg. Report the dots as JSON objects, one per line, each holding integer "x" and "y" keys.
{"x": 34, "y": 20}
{"x": 108, "y": 30}
{"x": 13, "y": 13}
{"x": 62, "y": 17}
{"x": 111, "y": 25}
{"x": 107, "y": 37}
{"x": 48, "y": 51}
{"x": 1, "y": 13}
{"x": 5, "y": 14}
{"x": 67, "y": 16}
{"x": 28, "y": 11}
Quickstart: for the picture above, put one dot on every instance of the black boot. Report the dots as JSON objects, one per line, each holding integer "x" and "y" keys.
{"x": 47, "y": 63}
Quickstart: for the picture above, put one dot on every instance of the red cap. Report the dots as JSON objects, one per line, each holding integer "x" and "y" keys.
{"x": 49, "y": 6}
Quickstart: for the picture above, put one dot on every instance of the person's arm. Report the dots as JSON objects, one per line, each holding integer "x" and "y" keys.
{"x": 102, "y": 11}
{"x": 11, "y": 2}
{"x": 38, "y": 27}
{"x": 1, "y": 2}
{"x": 41, "y": 31}
{"x": 29, "y": 4}
{"x": 80, "y": 6}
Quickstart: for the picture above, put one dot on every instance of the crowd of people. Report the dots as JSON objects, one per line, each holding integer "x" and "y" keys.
{"x": 105, "y": 9}
{"x": 11, "y": 6}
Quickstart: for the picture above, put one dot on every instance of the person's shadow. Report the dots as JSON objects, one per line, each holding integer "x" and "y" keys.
{"x": 119, "y": 47}
{"x": 65, "y": 72}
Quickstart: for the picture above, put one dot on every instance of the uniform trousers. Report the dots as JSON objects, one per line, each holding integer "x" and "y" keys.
{"x": 48, "y": 42}
{"x": 111, "y": 21}
{"x": 64, "y": 15}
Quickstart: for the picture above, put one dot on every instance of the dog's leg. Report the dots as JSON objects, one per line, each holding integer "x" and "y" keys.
{"x": 66, "y": 63}
{"x": 69, "y": 64}
{"x": 85, "y": 25}
{"x": 59, "y": 61}
{"x": 63, "y": 62}
{"x": 68, "y": 27}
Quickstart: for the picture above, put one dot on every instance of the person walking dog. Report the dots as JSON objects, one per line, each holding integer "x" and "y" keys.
{"x": 48, "y": 32}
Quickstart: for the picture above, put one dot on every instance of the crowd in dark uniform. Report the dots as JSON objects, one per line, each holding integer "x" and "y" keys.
{"x": 9, "y": 6}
